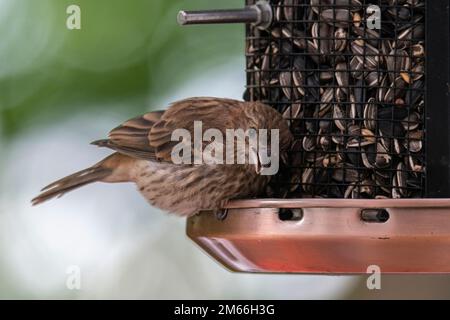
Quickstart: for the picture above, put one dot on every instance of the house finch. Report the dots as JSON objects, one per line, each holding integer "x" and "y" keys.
{"x": 145, "y": 155}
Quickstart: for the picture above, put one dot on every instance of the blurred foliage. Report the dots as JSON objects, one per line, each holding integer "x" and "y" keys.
{"x": 126, "y": 54}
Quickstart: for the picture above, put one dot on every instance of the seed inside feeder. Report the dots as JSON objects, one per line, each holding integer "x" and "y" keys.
{"x": 353, "y": 96}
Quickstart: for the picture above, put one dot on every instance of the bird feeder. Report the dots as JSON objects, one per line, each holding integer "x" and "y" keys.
{"x": 364, "y": 85}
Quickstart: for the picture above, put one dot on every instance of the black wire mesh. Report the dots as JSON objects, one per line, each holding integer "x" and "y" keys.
{"x": 353, "y": 96}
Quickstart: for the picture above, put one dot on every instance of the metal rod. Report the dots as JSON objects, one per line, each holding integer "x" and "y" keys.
{"x": 247, "y": 15}
{"x": 259, "y": 15}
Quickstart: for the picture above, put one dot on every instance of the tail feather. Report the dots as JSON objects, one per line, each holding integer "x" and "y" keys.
{"x": 69, "y": 183}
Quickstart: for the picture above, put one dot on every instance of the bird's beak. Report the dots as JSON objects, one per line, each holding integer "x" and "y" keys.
{"x": 254, "y": 156}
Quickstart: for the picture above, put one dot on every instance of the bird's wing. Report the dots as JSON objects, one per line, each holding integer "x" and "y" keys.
{"x": 212, "y": 113}
{"x": 150, "y": 136}
{"x": 132, "y": 137}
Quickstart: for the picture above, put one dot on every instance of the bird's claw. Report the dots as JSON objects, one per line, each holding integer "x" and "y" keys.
{"x": 221, "y": 214}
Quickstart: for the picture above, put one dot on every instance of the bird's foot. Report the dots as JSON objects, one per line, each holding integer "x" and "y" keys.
{"x": 221, "y": 214}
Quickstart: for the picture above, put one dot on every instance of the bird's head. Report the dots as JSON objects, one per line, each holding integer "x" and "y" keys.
{"x": 273, "y": 133}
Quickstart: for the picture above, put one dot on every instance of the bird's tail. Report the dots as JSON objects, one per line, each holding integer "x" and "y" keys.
{"x": 101, "y": 171}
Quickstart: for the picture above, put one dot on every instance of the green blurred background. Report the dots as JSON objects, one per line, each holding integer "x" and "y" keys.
{"x": 125, "y": 53}
{"x": 61, "y": 89}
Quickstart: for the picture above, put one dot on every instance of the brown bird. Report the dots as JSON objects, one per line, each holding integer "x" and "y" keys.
{"x": 144, "y": 148}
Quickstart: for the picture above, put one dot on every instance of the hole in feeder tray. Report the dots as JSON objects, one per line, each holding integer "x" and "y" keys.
{"x": 375, "y": 215}
{"x": 290, "y": 214}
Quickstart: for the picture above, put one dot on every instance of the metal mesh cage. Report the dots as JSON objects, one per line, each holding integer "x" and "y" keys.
{"x": 353, "y": 95}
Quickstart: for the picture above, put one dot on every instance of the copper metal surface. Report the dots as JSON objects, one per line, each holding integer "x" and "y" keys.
{"x": 330, "y": 238}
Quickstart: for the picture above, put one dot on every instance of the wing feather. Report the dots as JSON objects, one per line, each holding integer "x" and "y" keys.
{"x": 150, "y": 135}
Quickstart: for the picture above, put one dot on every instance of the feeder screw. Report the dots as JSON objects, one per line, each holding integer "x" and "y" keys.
{"x": 259, "y": 15}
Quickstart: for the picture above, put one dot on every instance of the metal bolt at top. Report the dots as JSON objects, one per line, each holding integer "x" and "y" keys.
{"x": 259, "y": 15}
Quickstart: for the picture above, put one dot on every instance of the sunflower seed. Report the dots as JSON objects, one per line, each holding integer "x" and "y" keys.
{"x": 345, "y": 173}
{"x": 370, "y": 114}
{"x": 402, "y": 177}
{"x": 337, "y": 17}
{"x": 339, "y": 116}
{"x": 309, "y": 143}
{"x": 383, "y": 158}
{"x": 340, "y": 42}
{"x": 293, "y": 111}
{"x": 286, "y": 83}
{"x": 411, "y": 122}
{"x": 415, "y": 141}
{"x": 342, "y": 76}
{"x": 366, "y": 138}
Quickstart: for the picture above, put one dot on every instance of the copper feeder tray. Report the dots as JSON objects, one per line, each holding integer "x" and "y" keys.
{"x": 333, "y": 236}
